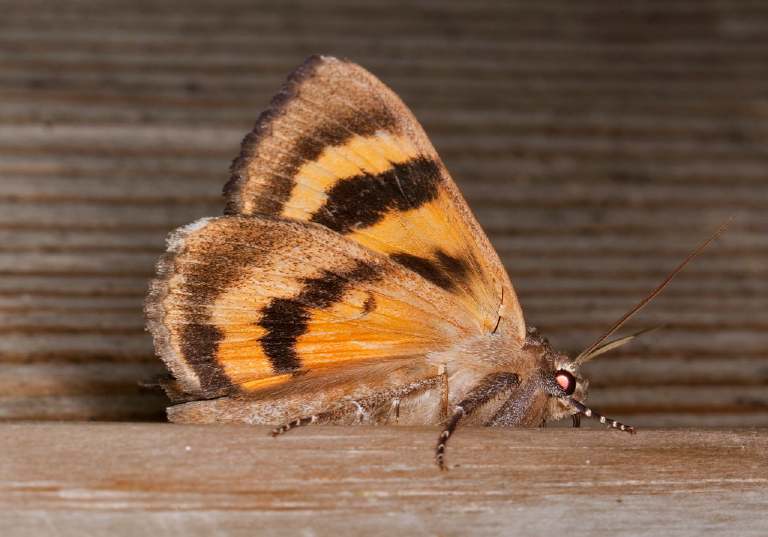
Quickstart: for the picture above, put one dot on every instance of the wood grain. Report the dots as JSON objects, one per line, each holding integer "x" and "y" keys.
{"x": 597, "y": 143}
{"x": 129, "y": 479}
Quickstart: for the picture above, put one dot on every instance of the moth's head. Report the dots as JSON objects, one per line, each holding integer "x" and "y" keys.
{"x": 569, "y": 385}
{"x": 567, "y": 389}
{"x": 558, "y": 379}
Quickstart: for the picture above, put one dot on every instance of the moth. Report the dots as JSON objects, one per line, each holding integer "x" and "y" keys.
{"x": 348, "y": 282}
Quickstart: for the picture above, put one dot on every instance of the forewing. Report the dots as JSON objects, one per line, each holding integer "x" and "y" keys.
{"x": 247, "y": 302}
{"x": 339, "y": 149}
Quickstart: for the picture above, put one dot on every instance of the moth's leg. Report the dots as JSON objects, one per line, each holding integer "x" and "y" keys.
{"x": 576, "y": 420}
{"x": 394, "y": 410}
{"x": 489, "y": 388}
{"x": 360, "y": 406}
{"x": 323, "y": 417}
{"x": 359, "y": 410}
{"x": 444, "y": 399}
{"x": 441, "y": 381}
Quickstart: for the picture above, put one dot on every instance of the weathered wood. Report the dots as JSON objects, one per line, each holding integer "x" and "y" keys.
{"x": 129, "y": 479}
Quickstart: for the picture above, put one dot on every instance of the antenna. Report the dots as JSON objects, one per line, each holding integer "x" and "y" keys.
{"x": 590, "y": 351}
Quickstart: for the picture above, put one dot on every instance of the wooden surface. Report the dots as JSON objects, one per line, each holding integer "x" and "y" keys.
{"x": 163, "y": 479}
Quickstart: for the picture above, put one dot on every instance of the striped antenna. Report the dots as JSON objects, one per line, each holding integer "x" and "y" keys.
{"x": 590, "y": 351}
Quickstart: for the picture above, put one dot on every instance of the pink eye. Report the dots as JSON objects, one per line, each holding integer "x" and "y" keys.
{"x": 566, "y": 381}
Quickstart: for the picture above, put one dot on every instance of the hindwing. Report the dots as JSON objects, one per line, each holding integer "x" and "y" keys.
{"x": 251, "y": 301}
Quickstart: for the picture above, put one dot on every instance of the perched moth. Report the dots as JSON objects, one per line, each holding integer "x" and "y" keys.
{"x": 349, "y": 282}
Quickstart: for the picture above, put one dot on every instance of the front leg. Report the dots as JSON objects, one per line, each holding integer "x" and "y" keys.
{"x": 489, "y": 388}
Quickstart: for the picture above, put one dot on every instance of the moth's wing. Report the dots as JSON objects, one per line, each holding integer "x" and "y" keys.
{"x": 340, "y": 149}
{"x": 248, "y": 302}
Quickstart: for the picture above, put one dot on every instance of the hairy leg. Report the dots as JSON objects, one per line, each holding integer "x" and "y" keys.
{"x": 360, "y": 406}
{"x": 489, "y": 388}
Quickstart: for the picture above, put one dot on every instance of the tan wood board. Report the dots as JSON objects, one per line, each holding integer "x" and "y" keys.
{"x": 132, "y": 479}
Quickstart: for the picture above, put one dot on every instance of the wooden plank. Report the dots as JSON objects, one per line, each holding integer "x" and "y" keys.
{"x": 126, "y": 479}
{"x": 40, "y": 380}
{"x": 82, "y": 347}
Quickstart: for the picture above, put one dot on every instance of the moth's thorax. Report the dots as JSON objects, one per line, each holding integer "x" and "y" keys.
{"x": 492, "y": 353}
{"x": 537, "y": 397}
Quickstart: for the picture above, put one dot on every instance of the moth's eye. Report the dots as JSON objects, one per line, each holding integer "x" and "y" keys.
{"x": 566, "y": 381}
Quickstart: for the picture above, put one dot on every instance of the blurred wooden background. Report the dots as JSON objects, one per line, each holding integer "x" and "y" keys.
{"x": 598, "y": 143}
